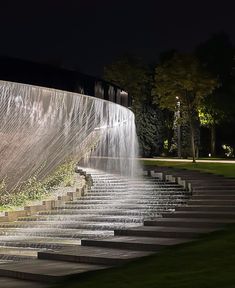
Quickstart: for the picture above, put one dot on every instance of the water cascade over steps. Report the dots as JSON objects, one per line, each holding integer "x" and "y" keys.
{"x": 42, "y": 128}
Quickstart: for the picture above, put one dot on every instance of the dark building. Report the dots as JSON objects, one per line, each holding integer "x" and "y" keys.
{"x": 27, "y": 72}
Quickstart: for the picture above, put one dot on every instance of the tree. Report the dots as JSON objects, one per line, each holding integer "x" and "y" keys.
{"x": 132, "y": 75}
{"x": 150, "y": 129}
{"x": 216, "y": 54}
{"x": 183, "y": 77}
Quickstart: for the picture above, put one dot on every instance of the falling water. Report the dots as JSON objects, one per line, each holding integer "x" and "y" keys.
{"x": 40, "y": 128}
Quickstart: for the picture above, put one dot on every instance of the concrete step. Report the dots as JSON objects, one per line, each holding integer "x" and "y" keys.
{"x": 212, "y": 197}
{"x": 39, "y": 243}
{"x": 213, "y": 208}
{"x": 94, "y": 218}
{"x": 188, "y": 222}
{"x": 135, "y": 243}
{"x": 165, "y": 232}
{"x": 89, "y": 225}
{"x": 200, "y": 214}
{"x": 120, "y": 203}
{"x": 102, "y": 212}
{"x": 16, "y": 283}
{"x": 46, "y": 270}
{"x": 214, "y": 192}
{"x": 213, "y": 187}
{"x": 54, "y": 232}
{"x": 93, "y": 255}
{"x": 214, "y": 202}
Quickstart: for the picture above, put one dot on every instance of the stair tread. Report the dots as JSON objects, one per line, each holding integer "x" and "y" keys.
{"x": 48, "y": 267}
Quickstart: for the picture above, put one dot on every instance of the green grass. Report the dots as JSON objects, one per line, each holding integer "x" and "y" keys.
{"x": 207, "y": 263}
{"x": 225, "y": 169}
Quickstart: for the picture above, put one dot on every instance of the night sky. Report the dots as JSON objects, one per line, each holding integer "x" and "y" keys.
{"x": 86, "y": 35}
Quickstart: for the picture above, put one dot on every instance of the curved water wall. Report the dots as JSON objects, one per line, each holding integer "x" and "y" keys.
{"x": 42, "y": 128}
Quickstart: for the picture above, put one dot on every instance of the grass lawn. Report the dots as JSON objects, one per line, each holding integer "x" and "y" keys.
{"x": 227, "y": 169}
{"x": 207, "y": 263}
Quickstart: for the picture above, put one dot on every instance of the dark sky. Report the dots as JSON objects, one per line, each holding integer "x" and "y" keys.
{"x": 86, "y": 35}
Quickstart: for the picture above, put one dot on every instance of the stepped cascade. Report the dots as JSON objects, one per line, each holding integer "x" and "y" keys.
{"x": 113, "y": 202}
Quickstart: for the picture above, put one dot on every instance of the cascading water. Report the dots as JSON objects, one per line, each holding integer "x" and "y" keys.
{"x": 41, "y": 128}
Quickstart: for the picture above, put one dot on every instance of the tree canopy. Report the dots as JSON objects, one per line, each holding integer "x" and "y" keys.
{"x": 183, "y": 79}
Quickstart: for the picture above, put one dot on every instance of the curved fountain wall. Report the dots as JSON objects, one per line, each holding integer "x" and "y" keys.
{"x": 41, "y": 128}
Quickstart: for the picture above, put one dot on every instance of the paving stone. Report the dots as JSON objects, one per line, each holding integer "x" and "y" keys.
{"x": 93, "y": 255}
{"x": 45, "y": 270}
{"x": 135, "y": 243}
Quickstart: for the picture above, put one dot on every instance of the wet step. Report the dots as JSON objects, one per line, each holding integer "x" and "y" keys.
{"x": 188, "y": 222}
{"x": 93, "y": 255}
{"x": 200, "y": 214}
{"x": 90, "y": 217}
{"x": 111, "y": 212}
{"x": 166, "y": 232}
{"x": 126, "y": 201}
{"x": 46, "y": 270}
{"x": 118, "y": 204}
{"x": 214, "y": 202}
{"x": 213, "y": 192}
{"x": 214, "y": 187}
{"x": 135, "y": 243}
{"x": 54, "y": 232}
{"x": 207, "y": 208}
{"x": 139, "y": 197}
{"x": 213, "y": 197}
{"x": 19, "y": 253}
{"x": 40, "y": 243}
{"x": 105, "y": 225}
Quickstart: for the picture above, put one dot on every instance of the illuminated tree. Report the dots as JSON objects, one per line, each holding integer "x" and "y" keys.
{"x": 183, "y": 77}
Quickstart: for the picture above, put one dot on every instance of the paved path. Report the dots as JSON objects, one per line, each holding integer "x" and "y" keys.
{"x": 189, "y": 160}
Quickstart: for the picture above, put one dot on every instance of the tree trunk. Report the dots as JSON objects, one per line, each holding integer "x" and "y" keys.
{"x": 192, "y": 139}
{"x": 213, "y": 139}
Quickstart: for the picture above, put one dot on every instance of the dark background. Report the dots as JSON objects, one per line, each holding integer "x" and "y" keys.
{"x": 86, "y": 35}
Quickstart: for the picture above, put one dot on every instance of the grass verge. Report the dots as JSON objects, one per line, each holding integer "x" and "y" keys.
{"x": 226, "y": 169}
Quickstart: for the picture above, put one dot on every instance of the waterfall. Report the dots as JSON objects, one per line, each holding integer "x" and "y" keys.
{"x": 41, "y": 128}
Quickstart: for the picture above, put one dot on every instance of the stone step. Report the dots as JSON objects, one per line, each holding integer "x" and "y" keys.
{"x": 16, "y": 283}
{"x": 89, "y": 225}
{"x": 165, "y": 232}
{"x": 131, "y": 201}
{"x": 214, "y": 202}
{"x": 21, "y": 253}
{"x": 54, "y": 232}
{"x": 214, "y": 197}
{"x": 214, "y": 187}
{"x": 188, "y": 222}
{"x": 134, "y": 243}
{"x": 140, "y": 197}
{"x": 39, "y": 243}
{"x": 200, "y": 214}
{"x": 93, "y": 255}
{"x": 213, "y": 192}
{"x": 213, "y": 208}
{"x": 118, "y": 204}
{"x": 111, "y": 212}
{"x": 94, "y": 218}
{"x": 46, "y": 270}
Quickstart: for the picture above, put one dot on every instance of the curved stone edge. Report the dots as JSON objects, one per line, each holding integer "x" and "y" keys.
{"x": 75, "y": 192}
